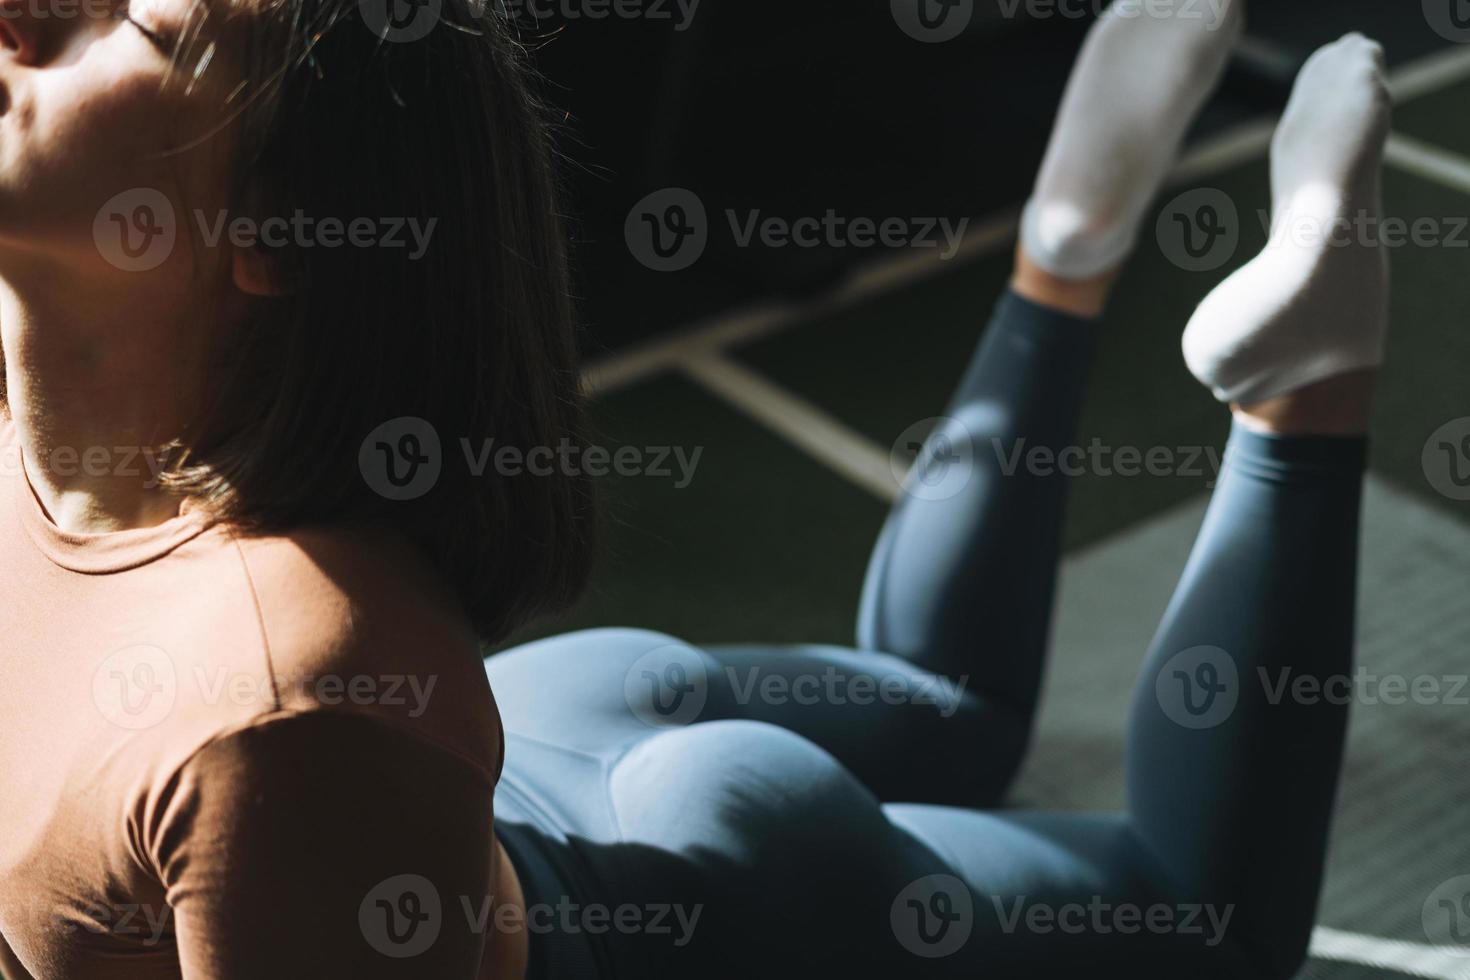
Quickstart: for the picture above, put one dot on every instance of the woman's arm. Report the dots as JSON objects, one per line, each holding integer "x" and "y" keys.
{"x": 10, "y": 967}
{"x": 327, "y": 845}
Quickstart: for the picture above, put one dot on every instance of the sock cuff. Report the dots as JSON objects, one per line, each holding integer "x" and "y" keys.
{"x": 1079, "y": 258}
{"x": 1293, "y": 458}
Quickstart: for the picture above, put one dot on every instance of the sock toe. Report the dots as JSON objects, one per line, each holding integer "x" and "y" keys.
{"x": 1314, "y": 303}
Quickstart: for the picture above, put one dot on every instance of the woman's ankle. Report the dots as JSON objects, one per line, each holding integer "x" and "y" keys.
{"x": 1078, "y": 297}
{"x": 1337, "y": 406}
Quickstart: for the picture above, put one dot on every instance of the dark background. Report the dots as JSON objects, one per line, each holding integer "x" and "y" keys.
{"x": 796, "y": 106}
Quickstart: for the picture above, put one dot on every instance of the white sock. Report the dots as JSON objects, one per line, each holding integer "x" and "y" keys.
{"x": 1315, "y": 303}
{"x": 1141, "y": 78}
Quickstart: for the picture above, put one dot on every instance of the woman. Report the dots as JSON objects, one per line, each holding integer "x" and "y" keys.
{"x": 256, "y": 738}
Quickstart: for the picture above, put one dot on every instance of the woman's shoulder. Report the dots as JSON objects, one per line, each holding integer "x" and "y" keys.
{"x": 330, "y": 590}
{"x": 353, "y": 619}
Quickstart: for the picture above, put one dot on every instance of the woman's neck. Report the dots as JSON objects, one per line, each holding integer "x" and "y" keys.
{"x": 97, "y": 383}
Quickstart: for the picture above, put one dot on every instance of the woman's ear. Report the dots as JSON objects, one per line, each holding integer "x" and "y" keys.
{"x": 256, "y": 270}
{"x": 257, "y": 273}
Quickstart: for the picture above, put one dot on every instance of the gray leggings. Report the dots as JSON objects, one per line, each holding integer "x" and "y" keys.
{"x": 821, "y": 811}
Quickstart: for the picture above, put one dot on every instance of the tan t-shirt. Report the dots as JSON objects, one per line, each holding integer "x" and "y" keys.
{"x": 239, "y": 757}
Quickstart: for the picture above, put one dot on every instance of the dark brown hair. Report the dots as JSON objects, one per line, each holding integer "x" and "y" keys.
{"x": 476, "y": 337}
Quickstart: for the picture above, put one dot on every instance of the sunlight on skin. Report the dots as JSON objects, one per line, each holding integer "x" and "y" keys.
{"x": 91, "y": 114}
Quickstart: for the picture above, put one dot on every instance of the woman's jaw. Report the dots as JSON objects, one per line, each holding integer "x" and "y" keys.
{"x": 109, "y": 299}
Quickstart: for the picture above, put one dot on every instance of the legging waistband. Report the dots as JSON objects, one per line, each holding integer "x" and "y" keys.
{"x": 555, "y": 954}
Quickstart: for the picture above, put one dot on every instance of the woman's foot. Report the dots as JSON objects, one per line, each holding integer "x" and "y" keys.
{"x": 1311, "y": 311}
{"x": 1141, "y": 78}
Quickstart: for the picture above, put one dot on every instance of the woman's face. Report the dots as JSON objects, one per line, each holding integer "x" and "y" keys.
{"x": 100, "y": 138}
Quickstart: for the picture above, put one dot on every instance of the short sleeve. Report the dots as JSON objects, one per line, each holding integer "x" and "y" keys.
{"x": 10, "y": 967}
{"x": 326, "y": 845}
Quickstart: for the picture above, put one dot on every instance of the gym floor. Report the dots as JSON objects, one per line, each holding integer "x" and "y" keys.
{"x": 794, "y": 406}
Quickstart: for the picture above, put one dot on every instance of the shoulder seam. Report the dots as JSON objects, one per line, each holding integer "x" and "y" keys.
{"x": 265, "y": 640}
